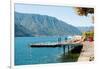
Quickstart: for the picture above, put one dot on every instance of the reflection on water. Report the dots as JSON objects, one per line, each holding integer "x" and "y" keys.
{"x": 26, "y": 55}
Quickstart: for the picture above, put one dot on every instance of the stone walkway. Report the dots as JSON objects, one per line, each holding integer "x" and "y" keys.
{"x": 87, "y": 53}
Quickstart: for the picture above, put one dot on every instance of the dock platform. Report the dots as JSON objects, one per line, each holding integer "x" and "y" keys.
{"x": 63, "y": 45}
{"x": 56, "y": 44}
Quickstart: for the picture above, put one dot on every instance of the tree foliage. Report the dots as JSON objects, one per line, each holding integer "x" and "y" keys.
{"x": 84, "y": 11}
{"x": 87, "y": 35}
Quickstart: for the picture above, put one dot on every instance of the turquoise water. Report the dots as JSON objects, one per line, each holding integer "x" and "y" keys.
{"x": 25, "y": 55}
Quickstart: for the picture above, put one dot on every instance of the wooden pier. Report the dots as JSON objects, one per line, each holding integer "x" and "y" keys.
{"x": 63, "y": 45}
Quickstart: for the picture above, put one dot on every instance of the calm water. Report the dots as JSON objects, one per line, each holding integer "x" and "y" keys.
{"x": 26, "y": 55}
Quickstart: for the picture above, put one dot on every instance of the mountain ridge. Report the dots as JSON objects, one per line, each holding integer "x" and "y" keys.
{"x": 86, "y": 29}
{"x": 42, "y": 25}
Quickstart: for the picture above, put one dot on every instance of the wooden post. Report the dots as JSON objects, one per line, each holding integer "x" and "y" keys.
{"x": 64, "y": 50}
{"x": 68, "y": 48}
{"x": 59, "y": 40}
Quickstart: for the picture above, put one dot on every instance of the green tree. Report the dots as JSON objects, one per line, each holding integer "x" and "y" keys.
{"x": 82, "y": 11}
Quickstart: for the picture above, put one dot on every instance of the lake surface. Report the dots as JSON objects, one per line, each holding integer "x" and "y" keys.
{"x": 25, "y": 55}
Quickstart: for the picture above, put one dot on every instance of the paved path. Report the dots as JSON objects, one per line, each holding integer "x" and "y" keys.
{"x": 87, "y": 53}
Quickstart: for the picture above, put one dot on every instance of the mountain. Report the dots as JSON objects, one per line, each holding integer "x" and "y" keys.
{"x": 86, "y": 29}
{"x": 39, "y": 25}
{"x": 21, "y": 31}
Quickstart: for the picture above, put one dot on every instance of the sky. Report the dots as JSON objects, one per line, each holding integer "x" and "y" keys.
{"x": 64, "y": 13}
